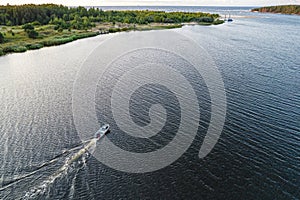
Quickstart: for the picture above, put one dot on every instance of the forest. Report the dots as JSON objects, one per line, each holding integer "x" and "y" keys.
{"x": 82, "y": 18}
{"x": 283, "y": 9}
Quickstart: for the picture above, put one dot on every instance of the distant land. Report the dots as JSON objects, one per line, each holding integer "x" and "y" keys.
{"x": 282, "y": 9}
{"x": 30, "y": 26}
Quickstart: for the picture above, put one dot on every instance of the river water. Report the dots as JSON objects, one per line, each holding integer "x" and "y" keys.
{"x": 256, "y": 157}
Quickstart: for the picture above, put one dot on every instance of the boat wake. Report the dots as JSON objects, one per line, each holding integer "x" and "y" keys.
{"x": 73, "y": 163}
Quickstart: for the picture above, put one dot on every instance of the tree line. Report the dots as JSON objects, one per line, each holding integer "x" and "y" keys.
{"x": 82, "y": 18}
{"x": 284, "y": 9}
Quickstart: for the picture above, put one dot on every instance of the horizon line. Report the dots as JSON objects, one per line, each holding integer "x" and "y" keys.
{"x": 149, "y": 5}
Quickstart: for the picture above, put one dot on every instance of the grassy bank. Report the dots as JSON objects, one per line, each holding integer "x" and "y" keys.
{"x": 16, "y": 39}
{"x": 27, "y": 27}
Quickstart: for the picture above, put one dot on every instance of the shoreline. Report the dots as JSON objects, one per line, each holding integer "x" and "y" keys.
{"x": 31, "y": 26}
{"x": 279, "y": 13}
{"x": 71, "y": 36}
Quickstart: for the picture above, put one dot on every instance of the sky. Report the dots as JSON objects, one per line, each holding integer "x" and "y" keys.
{"x": 155, "y": 2}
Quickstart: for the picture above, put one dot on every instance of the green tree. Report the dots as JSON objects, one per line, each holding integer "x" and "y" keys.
{"x": 158, "y": 19}
{"x": 126, "y": 20}
{"x": 66, "y": 17}
{"x": 8, "y": 23}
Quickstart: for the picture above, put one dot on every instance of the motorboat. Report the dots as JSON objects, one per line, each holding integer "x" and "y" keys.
{"x": 102, "y": 131}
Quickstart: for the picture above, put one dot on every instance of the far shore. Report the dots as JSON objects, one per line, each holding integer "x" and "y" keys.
{"x": 281, "y": 9}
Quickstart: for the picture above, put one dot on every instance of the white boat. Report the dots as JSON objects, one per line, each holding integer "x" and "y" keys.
{"x": 102, "y": 131}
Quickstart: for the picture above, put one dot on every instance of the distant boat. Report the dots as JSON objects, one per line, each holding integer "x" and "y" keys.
{"x": 229, "y": 19}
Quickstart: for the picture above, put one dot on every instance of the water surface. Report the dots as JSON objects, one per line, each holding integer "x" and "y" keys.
{"x": 257, "y": 156}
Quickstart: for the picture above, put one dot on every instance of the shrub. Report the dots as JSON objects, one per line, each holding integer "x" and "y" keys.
{"x": 173, "y": 26}
{"x": 32, "y": 34}
{"x": 1, "y": 52}
{"x": 66, "y": 39}
{"x": 1, "y": 38}
{"x": 167, "y": 20}
{"x": 114, "y": 30}
{"x": 57, "y": 41}
{"x": 27, "y": 27}
{"x": 125, "y": 29}
{"x": 8, "y": 49}
{"x": 20, "y": 49}
{"x": 11, "y": 32}
{"x": 205, "y": 19}
{"x": 34, "y": 46}
{"x": 56, "y": 27}
{"x": 16, "y": 49}
{"x": 36, "y": 23}
{"x": 84, "y": 35}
